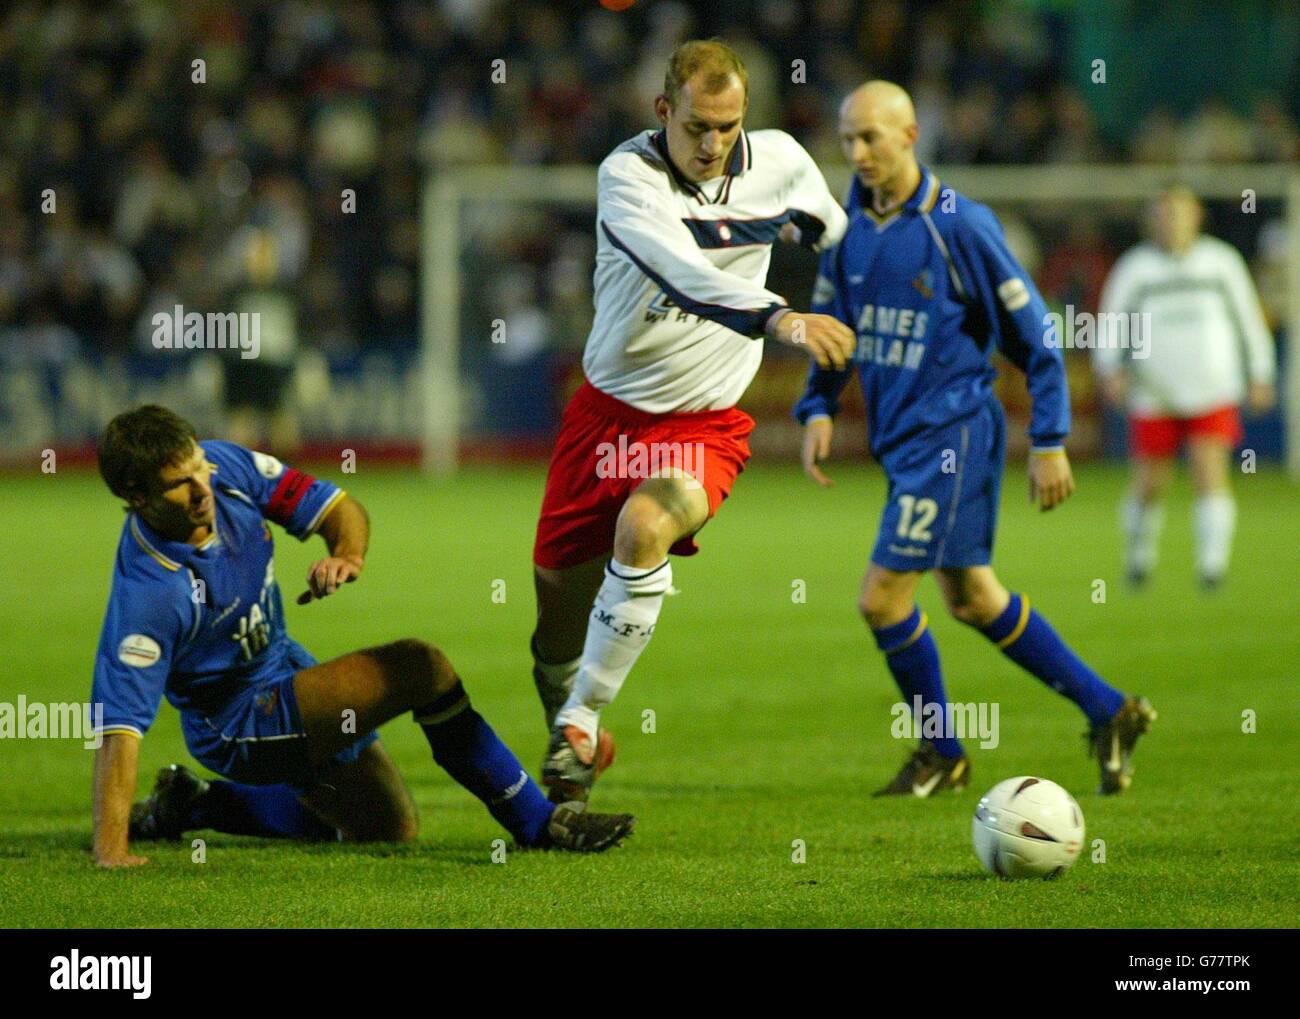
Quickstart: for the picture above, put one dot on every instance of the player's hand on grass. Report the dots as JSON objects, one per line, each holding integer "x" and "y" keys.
{"x": 327, "y": 575}
{"x": 114, "y": 860}
{"x": 1050, "y": 479}
{"x": 1260, "y": 398}
{"x": 829, "y": 340}
{"x": 816, "y": 448}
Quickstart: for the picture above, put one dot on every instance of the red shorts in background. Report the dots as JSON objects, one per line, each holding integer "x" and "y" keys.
{"x": 606, "y": 448}
{"x": 1161, "y": 437}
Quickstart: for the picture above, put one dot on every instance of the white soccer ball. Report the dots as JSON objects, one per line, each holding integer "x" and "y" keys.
{"x": 1027, "y": 827}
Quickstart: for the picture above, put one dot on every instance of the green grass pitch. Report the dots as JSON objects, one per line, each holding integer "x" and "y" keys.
{"x": 771, "y": 724}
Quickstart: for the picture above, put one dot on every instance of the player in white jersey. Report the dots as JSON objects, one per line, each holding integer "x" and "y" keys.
{"x": 652, "y": 441}
{"x": 1209, "y": 349}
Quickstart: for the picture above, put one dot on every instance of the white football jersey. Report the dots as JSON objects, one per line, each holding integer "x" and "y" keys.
{"x": 1207, "y": 336}
{"x": 680, "y": 267}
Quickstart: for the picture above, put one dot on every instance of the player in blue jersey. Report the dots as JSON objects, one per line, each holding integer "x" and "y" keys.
{"x": 195, "y": 615}
{"x": 925, "y": 277}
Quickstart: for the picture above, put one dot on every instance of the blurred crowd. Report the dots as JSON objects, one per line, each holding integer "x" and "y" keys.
{"x": 290, "y": 158}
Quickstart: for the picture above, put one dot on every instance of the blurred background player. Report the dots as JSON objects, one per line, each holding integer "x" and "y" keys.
{"x": 686, "y": 217}
{"x": 1209, "y": 350}
{"x": 925, "y": 276}
{"x": 195, "y": 614}
{"x": 259, "y": 406}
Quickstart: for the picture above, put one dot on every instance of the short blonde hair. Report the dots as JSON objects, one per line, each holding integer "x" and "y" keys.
{"x": 711, "y": 57}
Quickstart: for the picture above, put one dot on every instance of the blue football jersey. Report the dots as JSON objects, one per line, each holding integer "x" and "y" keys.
{"x": 929, "y": 289}
{"x": 200, "y": 624}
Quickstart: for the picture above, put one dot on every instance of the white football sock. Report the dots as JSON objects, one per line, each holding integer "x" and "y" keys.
{"x": 1142, "y": 526}
{"x": 554, "y": 681}
{"x": 622, "y": 621}
{"x": 1214, "y": 518}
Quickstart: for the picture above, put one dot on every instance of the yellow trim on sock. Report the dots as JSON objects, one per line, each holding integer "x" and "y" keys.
{"x": 916, "y": 635}
{"x": 1014, "y": 635}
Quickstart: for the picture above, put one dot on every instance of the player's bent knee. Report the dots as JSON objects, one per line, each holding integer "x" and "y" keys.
{"x": 966, "y": 612}
{"x": 975, "y": 610}
{"x": 645, "y": 525}
{"x": 880, "y": 608}
{"x": 417, "y": 670}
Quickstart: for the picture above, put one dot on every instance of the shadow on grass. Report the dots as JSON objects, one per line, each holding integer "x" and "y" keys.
{"x": 35, "y": 845}
{"x": 676, "y": 789}
{"x": 971, "y": 877}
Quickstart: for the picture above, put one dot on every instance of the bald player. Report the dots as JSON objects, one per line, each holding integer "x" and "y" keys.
{"x": 925, "y": 279}
{"x": 651, "y": 443}
{"x": 1209, "y": 350}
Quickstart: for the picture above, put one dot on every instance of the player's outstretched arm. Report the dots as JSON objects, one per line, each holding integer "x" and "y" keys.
{"x": 346, "y": 530}
{"x": 116, "y": 765}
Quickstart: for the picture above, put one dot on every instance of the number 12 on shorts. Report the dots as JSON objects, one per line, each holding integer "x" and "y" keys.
{"x": 915, "y": 517}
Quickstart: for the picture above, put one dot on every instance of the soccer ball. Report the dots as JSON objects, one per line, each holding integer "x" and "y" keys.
{"x": 1027, "y": 827}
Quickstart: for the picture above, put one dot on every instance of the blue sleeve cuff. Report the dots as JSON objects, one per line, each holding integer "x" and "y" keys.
{"x": 815, "y": 406}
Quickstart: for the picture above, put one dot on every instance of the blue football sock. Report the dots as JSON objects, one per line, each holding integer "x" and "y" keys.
{"x": 271, "y": 811}
{"x": 913, "y": 658}
{"x": 470, "y": 752}
{"x": 1029, "y": 640}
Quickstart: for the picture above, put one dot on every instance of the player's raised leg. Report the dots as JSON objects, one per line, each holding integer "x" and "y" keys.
{"x": 1214, "y": 515}
{"x": 659, "y": 512}
{"x": 373, "y": 686}
{"x": 976, "y": 597}
{"x": 1143, "y": 516}
{"x": 903, "y": 635}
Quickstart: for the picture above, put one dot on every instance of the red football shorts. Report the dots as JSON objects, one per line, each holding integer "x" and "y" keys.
{"x": 606, "y": 448}
{"x": 1159, "y": 438}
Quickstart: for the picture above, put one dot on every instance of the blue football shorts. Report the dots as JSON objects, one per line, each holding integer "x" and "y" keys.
{"x": 257, "y": 737}
{"x": 944, "y": 487}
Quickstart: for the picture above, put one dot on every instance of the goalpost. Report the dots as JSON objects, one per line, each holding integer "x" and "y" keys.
{"x": 447, "y": 193}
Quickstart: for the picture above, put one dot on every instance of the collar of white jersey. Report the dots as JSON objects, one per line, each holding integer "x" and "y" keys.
{"x": 741, "y": 159}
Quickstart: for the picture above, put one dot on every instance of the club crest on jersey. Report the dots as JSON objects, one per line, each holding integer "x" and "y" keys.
{"x": 924, "y": 284}
{"x": 267, "y": 700}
